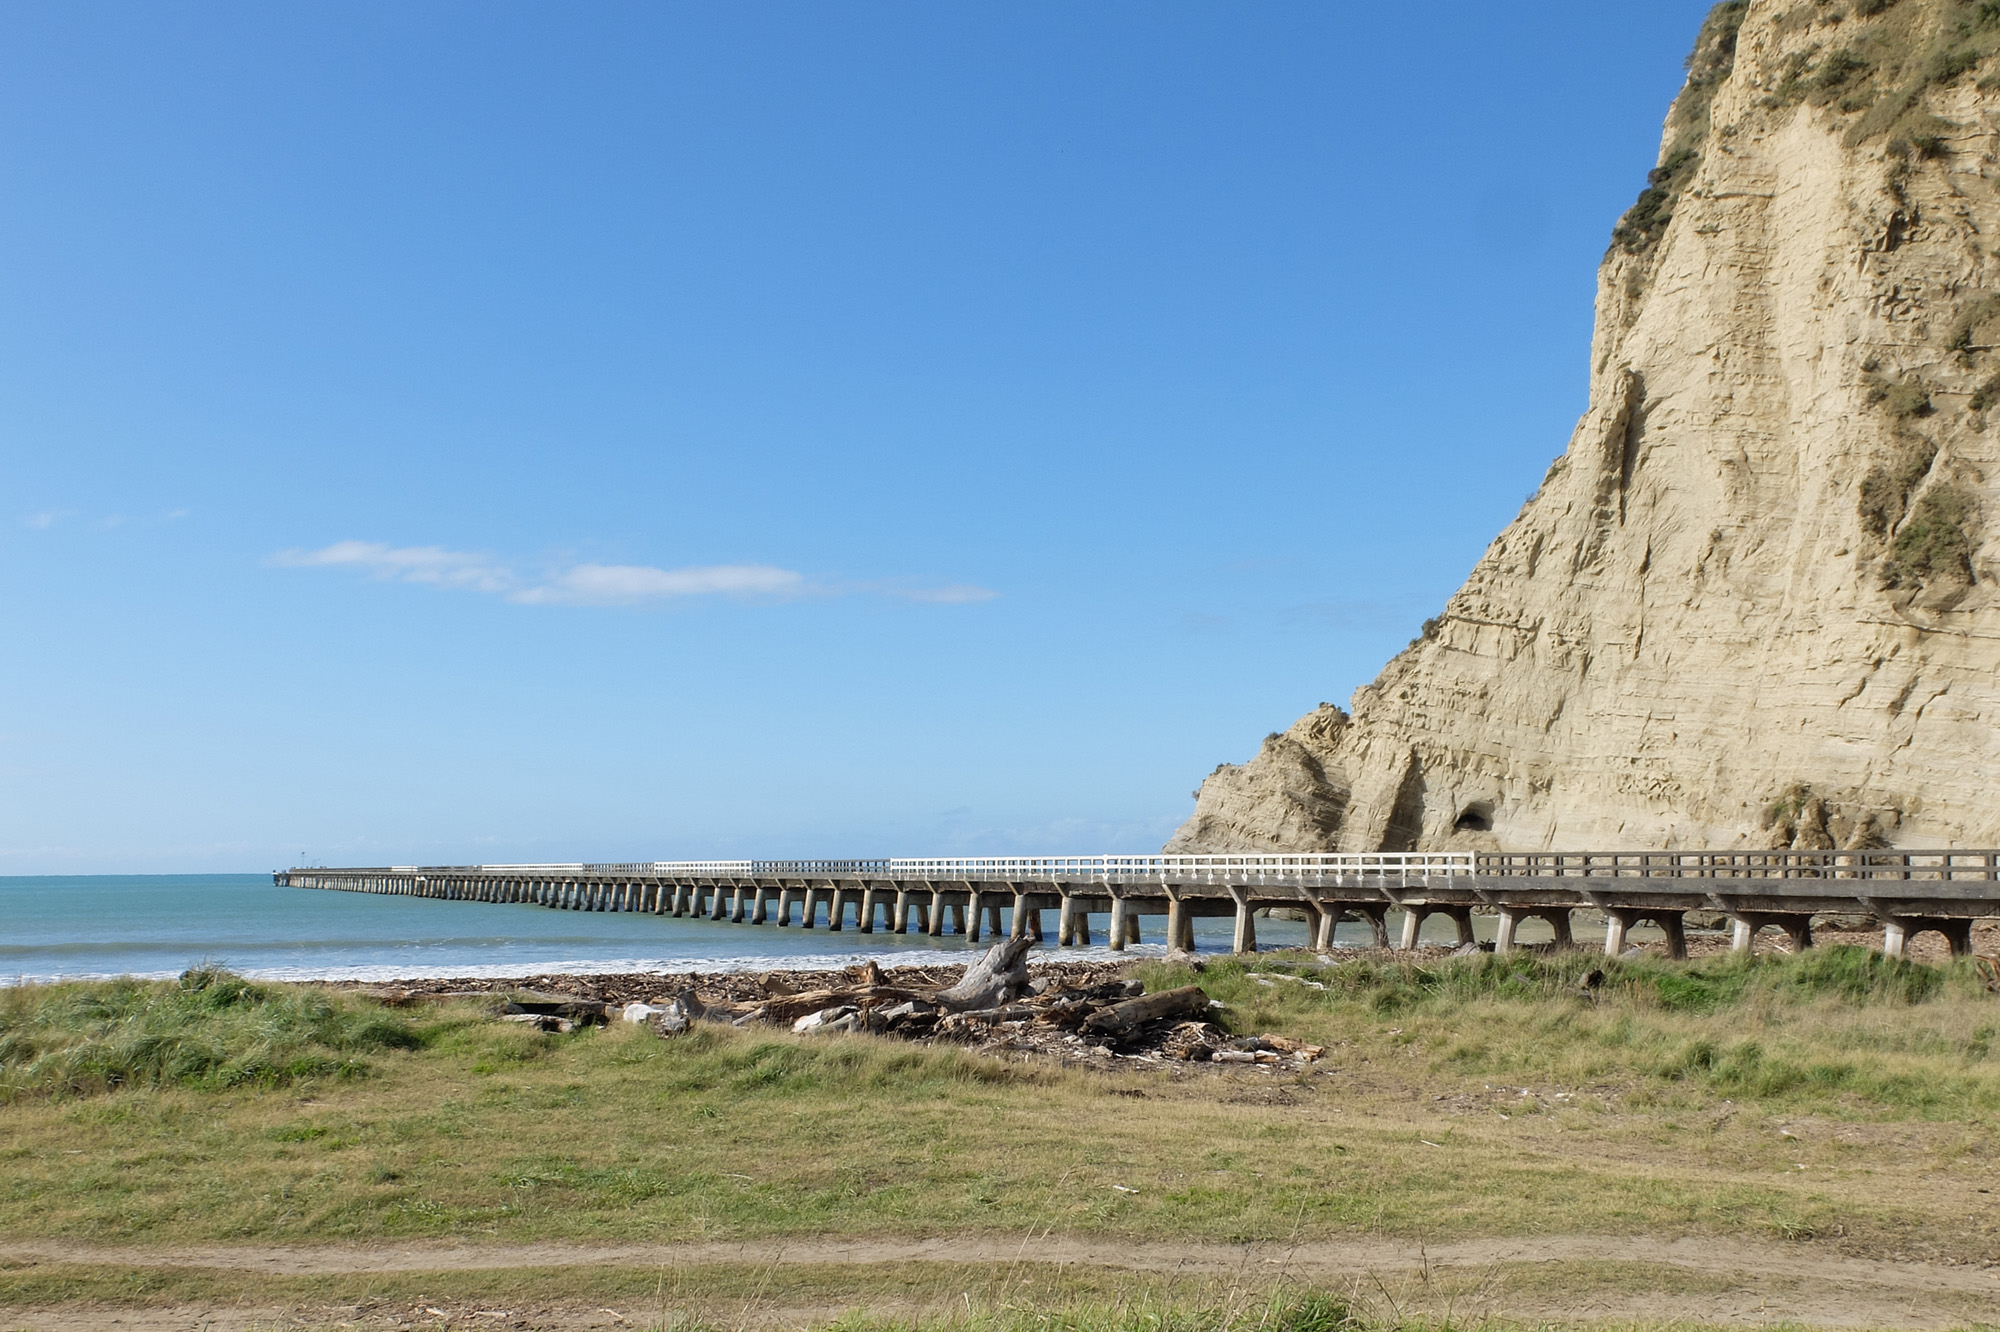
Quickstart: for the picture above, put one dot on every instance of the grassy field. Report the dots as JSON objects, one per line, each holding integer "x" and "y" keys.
{"x": 1835, "y": 1099}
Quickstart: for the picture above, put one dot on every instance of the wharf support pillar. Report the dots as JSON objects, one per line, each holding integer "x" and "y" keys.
{"x": 1618, "y": 920}
{"x": 1027, "y": 919}
{"x": 1073, "y": 922}
{"x": 1897, "y": 931}
{"x": 1244, "y": 939}
{"x": 1746, "y": 924}
{"x": 1415, "y": 916}
{"x": 1510, "y": 918}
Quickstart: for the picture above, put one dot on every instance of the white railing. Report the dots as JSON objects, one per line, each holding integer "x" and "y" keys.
{"x": 959, "y": 868}
{"x": 1131, "y": 867}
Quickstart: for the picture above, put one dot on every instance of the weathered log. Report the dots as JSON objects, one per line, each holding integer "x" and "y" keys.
{"x": 575, "y": 1010}
{"x": 994, "y": 979}
{"x": 785, "y": 1008}
{"x": 1003, "y": 1013}
{"x": 1189, "y": 999}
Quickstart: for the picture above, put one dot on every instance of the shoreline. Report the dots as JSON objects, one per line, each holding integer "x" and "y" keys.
{"x": 758, "y": 963}
{"x": 1929, "y": 949}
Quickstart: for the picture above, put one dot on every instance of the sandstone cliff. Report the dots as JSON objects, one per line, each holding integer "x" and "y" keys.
{"x": 1753, "y": 603}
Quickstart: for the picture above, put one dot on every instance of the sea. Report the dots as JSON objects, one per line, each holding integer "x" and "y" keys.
{"x": 158, "y": 925}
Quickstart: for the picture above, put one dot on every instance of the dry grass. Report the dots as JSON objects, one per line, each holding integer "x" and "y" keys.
{"x": 935, "y": 1297}
{"x": 1841, "y": 1031}
{"x": 1469, "y": 1100}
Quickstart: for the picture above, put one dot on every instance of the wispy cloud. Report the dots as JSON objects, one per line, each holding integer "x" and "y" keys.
{"x": 633, "y": 584}
{"x": 48, "y": 518}
{"x": 601, "y": 584}
{"x": 406, "y": 564}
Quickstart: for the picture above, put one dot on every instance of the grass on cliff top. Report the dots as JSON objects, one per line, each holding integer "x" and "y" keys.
{"x": 1485, "y": 1096}
{"x": 1874, "y": 62}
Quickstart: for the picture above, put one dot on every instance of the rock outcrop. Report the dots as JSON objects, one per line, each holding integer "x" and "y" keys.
{"x": 1754, "y": 603}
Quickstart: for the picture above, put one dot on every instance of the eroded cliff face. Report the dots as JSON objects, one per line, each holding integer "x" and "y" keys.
{"x": 1753, "y": 603}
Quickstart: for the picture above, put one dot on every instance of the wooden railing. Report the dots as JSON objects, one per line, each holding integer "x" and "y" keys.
{"x": 1954, "y": 866}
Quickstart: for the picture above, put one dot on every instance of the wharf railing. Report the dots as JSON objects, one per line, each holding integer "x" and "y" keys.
{"x": 1029, "y": 868}
{"x": 1971, "y": 867}
{"x": 1886, "y": 865}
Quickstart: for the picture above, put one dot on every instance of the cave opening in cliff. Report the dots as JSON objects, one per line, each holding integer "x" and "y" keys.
{"x": 1475, "y": 817}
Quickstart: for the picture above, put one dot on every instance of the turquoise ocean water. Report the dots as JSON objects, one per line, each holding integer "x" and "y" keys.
{"x": 161, "y": 924}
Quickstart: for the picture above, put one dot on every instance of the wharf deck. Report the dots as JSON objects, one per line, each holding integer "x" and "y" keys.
{"x": 1905, "y": 892}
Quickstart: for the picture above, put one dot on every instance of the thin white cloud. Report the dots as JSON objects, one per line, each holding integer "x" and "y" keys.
{"x": 408, "y": 564}
{"x": 104, "y": 522}
{"x": 633, "y": 584}
{"x": 600, "y": 584}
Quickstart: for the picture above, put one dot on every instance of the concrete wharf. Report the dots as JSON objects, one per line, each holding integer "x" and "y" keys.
{"x": 1905, "y": 892}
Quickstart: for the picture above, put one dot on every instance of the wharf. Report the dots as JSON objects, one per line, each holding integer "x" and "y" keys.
{"x": 1905, "y": 892}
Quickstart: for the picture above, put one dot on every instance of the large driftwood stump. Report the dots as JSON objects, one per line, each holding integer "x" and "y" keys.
{"x": 1150, "y": 1008}
{"x": 991, "y": 981}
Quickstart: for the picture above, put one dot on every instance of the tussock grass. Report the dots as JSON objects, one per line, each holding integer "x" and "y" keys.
{"x": 210, "y": 1029}
{"x": 1843, "y": 1029}
{"x": 1482, "y": 1096}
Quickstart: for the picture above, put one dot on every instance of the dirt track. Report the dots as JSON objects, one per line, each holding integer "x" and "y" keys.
{"x": 1745, "y": 1257}
{"x": 1704, "y": 1280}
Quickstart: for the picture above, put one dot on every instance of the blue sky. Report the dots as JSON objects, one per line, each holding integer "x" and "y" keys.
{"x": 482, "y": 432}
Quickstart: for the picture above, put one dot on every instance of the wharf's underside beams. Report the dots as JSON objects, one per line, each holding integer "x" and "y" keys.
{"x": 1906, "y": 892}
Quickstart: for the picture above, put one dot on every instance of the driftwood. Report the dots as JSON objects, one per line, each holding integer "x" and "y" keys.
{"x": 997, "y": 978}
{"x": 1070, "y": 1015}
{"x": 791, "y": 1007}
{"x": 1189, "y": 999}
{"x": 576, "y": 1010}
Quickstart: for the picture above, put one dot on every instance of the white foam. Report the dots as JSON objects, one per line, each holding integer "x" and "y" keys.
{"x": 377, "y": 973}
